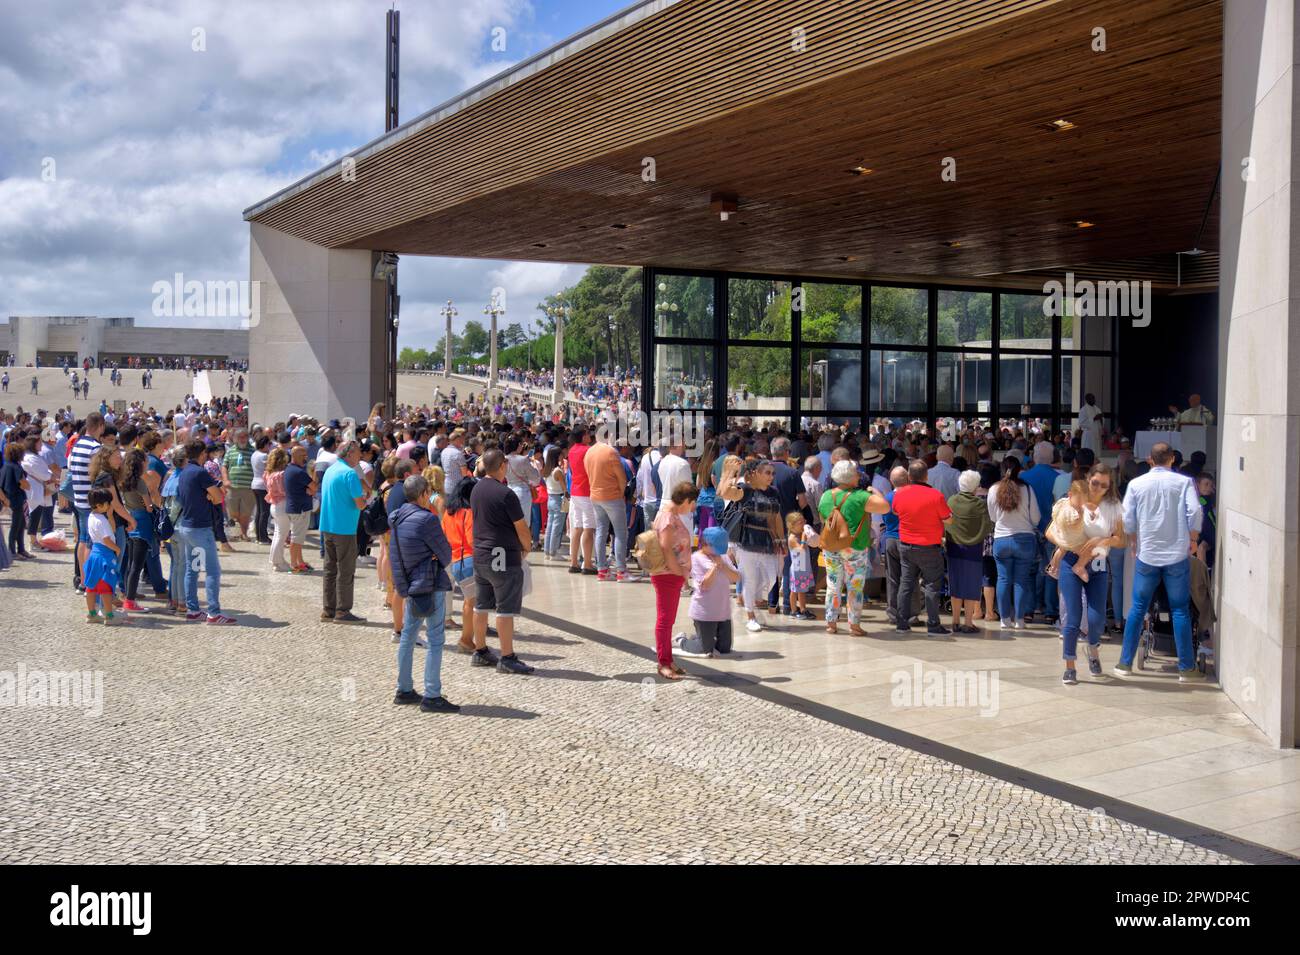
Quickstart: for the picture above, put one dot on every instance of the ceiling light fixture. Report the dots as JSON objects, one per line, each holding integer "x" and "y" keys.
{"x": 1061, "y": 125}
{"x": 861, "y": 171}
{"x": 724, "y": 204}
{"x": 1083, "y": 224}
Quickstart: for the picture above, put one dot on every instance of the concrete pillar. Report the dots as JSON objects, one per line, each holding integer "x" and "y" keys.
{"x": 492, "y": 345}
{"x": 317, "y": 337}
{"x": 558, "y": 395}
{"x": 1259, "y": 366}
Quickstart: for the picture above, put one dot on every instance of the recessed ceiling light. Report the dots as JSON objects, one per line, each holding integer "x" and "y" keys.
{"x": 953, "y": 244}
{"x": 848, "y": 258}
{"x": 1061, "y": 125}
{"x": 861, "y": 171}
{"x": 1083, "y": 224}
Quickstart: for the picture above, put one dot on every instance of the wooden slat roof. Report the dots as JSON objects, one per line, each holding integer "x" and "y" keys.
{"x": 548, "y": 166}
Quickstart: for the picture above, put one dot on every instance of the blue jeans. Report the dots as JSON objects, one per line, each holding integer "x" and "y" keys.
{"x": 1015, "y": 557}
{"x": 1072, "y": 593}
{"x": 153, "y": 567}
{"x": 176, "y": 580}
{"x": 1177, "y": 582}
{"x": 650, "y": 510}
{"x": 554, "y": 523}
{"x": 1117, "y": 582}
{"x": 1044, "y": 586}
{"x": 436, "y": 634}
{"x": 607, "y": 513}
{"x": 781, "y": 589}
{"x": 200, "y": 554}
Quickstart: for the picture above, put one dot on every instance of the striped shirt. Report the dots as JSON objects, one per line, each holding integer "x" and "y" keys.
{"x": 239, "y": 465}
{"x": 79, "y": 468}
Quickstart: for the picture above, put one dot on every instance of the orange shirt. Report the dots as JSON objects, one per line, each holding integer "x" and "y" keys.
{"x": 459, "y": 528}
{"x": 605, "y": 472}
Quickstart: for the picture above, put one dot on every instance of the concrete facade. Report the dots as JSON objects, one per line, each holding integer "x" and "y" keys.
{"x": 111, "y": 338}
{"x": 317, "y": 343}
{"x": 1259, "y": 366}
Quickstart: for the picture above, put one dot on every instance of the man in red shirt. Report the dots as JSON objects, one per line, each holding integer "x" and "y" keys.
{"x": 921, "y": 512}
{"x": 582, "y": 515}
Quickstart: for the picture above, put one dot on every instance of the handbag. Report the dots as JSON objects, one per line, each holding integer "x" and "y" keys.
{"x": 163, "y": 528}
{"x": 422, "y": 605}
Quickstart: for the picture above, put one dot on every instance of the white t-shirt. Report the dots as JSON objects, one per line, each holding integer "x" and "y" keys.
{"x": 673, "y": 470}
{"x": 1091, "y": 429}
{"x": 99, "y": 527}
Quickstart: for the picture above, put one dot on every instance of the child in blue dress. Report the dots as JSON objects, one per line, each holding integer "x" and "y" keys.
{"x": 100, "y": 575}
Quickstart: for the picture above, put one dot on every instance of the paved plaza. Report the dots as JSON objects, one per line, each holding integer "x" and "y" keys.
{"x": 276, "y": 741}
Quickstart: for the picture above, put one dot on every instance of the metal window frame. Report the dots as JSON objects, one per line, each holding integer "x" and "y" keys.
{"x": 1058, "y": 416}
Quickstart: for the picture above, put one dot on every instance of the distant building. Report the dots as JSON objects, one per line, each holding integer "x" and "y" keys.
{"x": 74, "y": 338}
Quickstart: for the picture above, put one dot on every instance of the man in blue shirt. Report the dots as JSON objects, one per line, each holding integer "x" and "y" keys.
{"x": 889, "y": 541}
{"x": 299, "y": 489}
{"x": 1162, "y": 512}
{"x": 198, "y": 491}
{"x": 1041, "y": 478}
{"x": 341, "y": 500}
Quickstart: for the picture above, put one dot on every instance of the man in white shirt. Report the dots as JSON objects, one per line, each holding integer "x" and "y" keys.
{"x": 1087, "y": 424}
{"x": 673, "y": 470}
{"x": 647, "y": 495}
{"x": 1163, "y": 515}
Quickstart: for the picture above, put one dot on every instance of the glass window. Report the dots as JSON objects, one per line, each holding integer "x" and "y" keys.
{"x": 898, "y": 382}
{"x": 1086, "y": 331}
{"x": 758, "y": 309}
{"x": 1022, "y": 323}
{"x": 1024, "y": 380}
{"x": 758, "y": 378}
{"x": 758, "y": 420}
{"x": 683, "y": 376}
{"x": 899, "y": 316}
{"x": 831, "y": 313}
{"x": 817, "y": 423}
{"x": 964, "y": 381}
{"x": 966, "y": 318}
{"x": 1082, "y": 375}
{"x": 830, "y": 379}
{"x": 684, "y": 306}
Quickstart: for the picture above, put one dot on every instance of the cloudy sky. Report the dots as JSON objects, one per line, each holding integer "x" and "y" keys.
{"x": 126, "y": 155}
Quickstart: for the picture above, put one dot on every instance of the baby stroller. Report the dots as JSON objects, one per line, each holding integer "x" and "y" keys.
{"x": 1156, "y": 644}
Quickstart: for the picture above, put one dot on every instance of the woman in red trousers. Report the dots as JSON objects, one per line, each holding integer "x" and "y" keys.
{"x": 675, "y": 541}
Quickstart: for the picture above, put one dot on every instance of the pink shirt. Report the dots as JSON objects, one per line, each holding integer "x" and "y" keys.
{"x": 713, "y": 603}
{"x": 673, "y": 536}
{"x": 404, "y": 449}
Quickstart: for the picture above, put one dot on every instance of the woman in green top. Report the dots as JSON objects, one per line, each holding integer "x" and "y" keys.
{"x": 966, "y": 531}
{"x": 850, "y": 567}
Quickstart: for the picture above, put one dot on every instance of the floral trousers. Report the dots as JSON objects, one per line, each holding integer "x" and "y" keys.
{"x": 846, "y": 569}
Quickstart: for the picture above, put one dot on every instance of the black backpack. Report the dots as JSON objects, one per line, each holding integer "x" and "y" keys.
{"x": 374, "y": 519}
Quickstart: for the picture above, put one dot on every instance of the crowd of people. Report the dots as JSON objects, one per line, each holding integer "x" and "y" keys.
{"x": 450, "y": 499}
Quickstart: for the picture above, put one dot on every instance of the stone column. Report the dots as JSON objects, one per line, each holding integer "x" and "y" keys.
{"x": 558, "y": 388}
{"x": 1259, "y": 366}
{"x": 492, "y": 362}
{"x": 317, "y": 336}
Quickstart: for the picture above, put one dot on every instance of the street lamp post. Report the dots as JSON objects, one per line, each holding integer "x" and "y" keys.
{"x": 493, "y": 310}
{"x": 449, "y": 312}
{"x": 560, "y": 313}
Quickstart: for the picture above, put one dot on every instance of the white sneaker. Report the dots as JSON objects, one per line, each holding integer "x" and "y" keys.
{"x": 1006, "y": 625}
{"x": 1020, "y": 625}
{"x": 753, "y": 626}
{"x": 691, "y": 653}
{"x": 678, "y": 639}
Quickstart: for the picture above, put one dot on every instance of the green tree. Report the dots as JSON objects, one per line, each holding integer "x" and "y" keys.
{"x": 474, "y": 340}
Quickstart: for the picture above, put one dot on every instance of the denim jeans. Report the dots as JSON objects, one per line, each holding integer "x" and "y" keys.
{"x": 176, "y": 547}
{"x": 1072, "y": 593}
{"x": 1177, "y": 580}
{"x": 200, "y": 554}
{"x": 436, "y": 635}
{"x": 611, "y": 512}
{"x": 1117, "y": 555}
{"x": 1044, "y": 593}
{"x": 1015, "y": 557}
{"x": 554, "y": 523}
{"x": 650, "y": 510}
{"x": 781, "y": 589}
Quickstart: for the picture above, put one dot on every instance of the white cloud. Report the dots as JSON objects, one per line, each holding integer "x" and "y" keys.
{"x": 159, "y": 147}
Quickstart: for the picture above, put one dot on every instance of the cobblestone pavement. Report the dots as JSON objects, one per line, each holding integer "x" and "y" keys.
{"x": 277, "y": 741}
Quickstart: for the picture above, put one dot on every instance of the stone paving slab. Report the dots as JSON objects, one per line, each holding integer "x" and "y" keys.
{"x": 276, "y": 741}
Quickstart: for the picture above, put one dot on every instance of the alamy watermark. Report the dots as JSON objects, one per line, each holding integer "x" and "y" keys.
{"x": 956, "y": 688}
{"x": 659, "y": 429}
{"x": 78, "y": 689}
{"x": 1086, "y": 298}
{"x": 212, "y": 299}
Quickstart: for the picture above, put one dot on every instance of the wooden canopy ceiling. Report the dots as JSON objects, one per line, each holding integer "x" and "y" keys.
{"x": 550, "y": 168}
